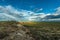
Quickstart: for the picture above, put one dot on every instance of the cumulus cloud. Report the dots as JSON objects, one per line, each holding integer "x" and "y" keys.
{"x": 55, "y": 16}
{"x": 57, "y": 10}
{"x": 11, "y": 13}
{"x": 38, "y": 10}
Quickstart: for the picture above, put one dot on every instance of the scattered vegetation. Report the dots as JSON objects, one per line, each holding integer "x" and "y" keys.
{"x": 37, "y": 30}
{"x": 44, "y": 30}
{"x": 7, "y": 27}
{"x": 12, "y": 30}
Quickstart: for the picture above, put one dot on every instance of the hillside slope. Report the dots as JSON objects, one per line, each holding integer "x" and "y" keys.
{"x": 11, "y": 30}
{"x": 44, "y": 30}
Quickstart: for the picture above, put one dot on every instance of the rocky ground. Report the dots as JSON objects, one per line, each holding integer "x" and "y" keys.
{"x": 14, "y": 31}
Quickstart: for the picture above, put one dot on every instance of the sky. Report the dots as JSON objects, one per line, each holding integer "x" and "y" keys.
{"x": 30, "y": 10}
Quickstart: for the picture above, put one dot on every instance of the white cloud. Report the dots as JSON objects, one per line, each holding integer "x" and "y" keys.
{"x": 7, "y": 15}
{"x": 57, "y": 19}
{"x": 38, "y": 10}
{"x": 10, "y": 13}
{"x": 41, "y": 9}
{"x": 57, "y": 10}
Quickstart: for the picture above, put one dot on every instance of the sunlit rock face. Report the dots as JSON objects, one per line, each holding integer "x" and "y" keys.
{"x": 14, "y": 31}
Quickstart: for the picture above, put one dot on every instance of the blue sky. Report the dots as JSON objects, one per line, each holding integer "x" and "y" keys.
{"x": 33, "y": 5}
{"x": 46, "y": 10}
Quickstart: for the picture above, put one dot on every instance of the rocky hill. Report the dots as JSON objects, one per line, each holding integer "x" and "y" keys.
{"x": 12, "y": 30}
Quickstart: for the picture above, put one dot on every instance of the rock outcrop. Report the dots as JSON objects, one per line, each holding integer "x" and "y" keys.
{"x": 14, "y": 31}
